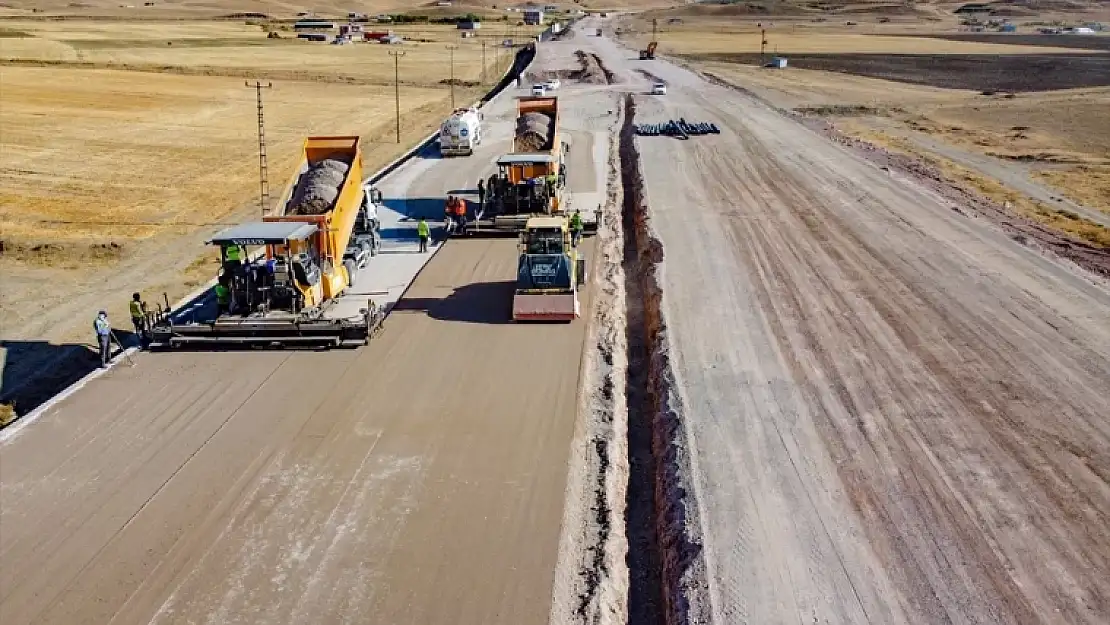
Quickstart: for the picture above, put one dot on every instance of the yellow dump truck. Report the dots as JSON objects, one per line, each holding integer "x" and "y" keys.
{"x": 279, "y": 277}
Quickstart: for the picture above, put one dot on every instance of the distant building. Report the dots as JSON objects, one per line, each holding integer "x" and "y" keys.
{"x": 312, "y": 36}
{"x": 474, "y": 25}
{"x": 313, "y": 25}
{"x": 533, "y": 17}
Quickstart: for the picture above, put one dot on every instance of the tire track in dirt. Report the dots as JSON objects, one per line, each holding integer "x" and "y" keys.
{"x": 931, "y": 498}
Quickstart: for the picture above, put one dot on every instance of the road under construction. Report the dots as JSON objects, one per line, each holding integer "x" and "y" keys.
{"x": 419, "y": 479}
{"x": 810, "y": 385}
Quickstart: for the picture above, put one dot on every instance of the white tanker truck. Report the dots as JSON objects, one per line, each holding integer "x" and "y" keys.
{"x": 461, "y": 132}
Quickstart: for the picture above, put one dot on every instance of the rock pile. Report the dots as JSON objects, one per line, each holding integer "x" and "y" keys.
{"x": 318, "y": 187}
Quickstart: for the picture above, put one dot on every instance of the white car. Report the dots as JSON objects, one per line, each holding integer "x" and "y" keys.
{"x": 659, "y": 88}
{"x": 539, "y": 90}
{"x": 552, "y": 84}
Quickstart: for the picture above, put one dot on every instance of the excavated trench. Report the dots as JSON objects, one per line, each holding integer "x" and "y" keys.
{"x": 663, "y": 558}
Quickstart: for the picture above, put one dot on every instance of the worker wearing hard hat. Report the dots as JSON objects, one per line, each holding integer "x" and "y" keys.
{"x": 423, "y": 233}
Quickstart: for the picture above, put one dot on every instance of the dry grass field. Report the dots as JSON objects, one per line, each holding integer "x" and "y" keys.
{"x": 120, "y": 153}
{"x": 241, "y": 49}
{"x": 129, "y": 155}
{"x": 694, "y": 38}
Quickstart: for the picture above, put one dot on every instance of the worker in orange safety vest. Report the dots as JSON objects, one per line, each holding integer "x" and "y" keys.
{"x": 460, "y": 214}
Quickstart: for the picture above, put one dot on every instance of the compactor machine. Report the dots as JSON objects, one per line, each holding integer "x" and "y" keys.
{"x": 550, "y": 271}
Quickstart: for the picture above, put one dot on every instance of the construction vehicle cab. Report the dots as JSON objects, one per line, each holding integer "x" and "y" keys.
{"x": 649, "y": 52}
{"x": 549, "y": 272}
{"x": 286, "y": 277}
{"x": 530, "y": 184}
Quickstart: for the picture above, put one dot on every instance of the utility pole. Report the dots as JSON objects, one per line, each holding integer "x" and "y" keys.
{"x": 397, "y": 54}
{"x": 762, "y": 44}
{"x": 451, "y": 50}
{"x": 263, "y": 181}
{"x": 483, "y": 61}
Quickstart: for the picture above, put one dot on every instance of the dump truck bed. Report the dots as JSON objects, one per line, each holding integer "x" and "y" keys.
{"x": 528, "y": 125}
{"x": 336, "y": 222}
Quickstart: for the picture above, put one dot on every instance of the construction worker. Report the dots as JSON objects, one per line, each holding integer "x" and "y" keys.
{"x": 449, "y": 213}
{"x": 103, "y": 337}
{"x": 481, "y": 195}
{"x": 138, "y": 317}
{"x": 223, "y": 297}
{"x": 575, "y": 227}
{"x": 423, "y": 233}
{"x": 460, "y": 214}
{"x": 233, "y": 255}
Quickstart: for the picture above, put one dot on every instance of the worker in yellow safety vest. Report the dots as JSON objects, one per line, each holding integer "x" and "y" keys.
{"x": 233, "y": 259}
{"x": 575, "y": 228}
{"x": 422, "y": 232}
{"x": 138, "y": 317}
{"x": 223, "y": 297}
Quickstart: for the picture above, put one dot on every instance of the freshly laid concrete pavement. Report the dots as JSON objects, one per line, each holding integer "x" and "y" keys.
{"x": 417, "y": 480}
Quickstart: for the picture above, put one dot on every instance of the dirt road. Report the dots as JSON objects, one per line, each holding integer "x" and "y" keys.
{"x": 892, "y": 411}
{"x": 417, "y": 480}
